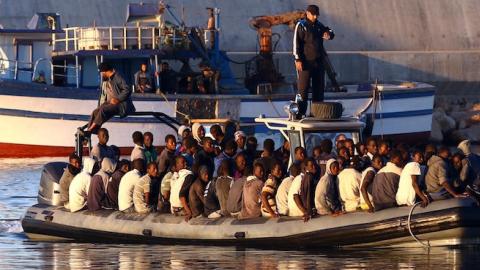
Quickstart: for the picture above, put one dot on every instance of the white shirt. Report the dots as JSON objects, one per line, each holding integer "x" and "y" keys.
{"x": 78, "y": 191}
{"x": 176, "y": 184}
{"x": 137, "y": 153}
{"x": 349, "y": 188}
{"x": 293, "y": 209}
{"x": 406, "y": 194}
{"x": 282, "y": 195}
{"x": 125, "y": 190}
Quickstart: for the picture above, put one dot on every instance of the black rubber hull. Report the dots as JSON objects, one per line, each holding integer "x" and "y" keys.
{"x": 454, "y": 223}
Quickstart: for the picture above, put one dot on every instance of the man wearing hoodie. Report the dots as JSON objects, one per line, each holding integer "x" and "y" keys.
{"x": 471, "y": 164}
{"x": 97, "y": 192}
{"x": 437, "y": 179}
{"x": 127, "y": 185}
{"x": 80, "y": 185}
{"x": 73, "y": 168}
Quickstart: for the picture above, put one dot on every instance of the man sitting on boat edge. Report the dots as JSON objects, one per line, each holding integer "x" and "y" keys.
{"x": 114, "y": 100}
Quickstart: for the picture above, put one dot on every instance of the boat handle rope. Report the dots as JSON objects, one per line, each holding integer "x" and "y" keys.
{"x": 427, "y": 245}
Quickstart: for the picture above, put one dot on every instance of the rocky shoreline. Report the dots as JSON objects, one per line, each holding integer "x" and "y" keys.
{"x": 456, "y": 114}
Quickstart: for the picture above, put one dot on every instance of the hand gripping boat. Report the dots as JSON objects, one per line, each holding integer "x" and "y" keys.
{"x": 447, "y": 222}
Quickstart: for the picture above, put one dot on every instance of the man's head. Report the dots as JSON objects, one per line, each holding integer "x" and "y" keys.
{"x": 103, "y": 136}
{"x": 258, "y": 170}
{"x": 180, "y": 163}
{"x": 139, "y": 165}
{"x": 300, "y": 153}
{"x": 230, "y": 148}
{"x": 123, "y": 165}
{"x": 350, "y": 145}
{"x": 203, "y": 173}
{"x": 240, "y": 139}
{"x": 143, "y": 67}
{"x": 240, "y": 162}
{"x": 312, "y": 12}
{"x": 417, "y": 156}
{"x": 277, "y": 169}
{"x": 444, "y": 152}
{"x": 207, "y": 143}
{"x": 106, "y": 70}
{"x": 152, "y": 169}
{"x": 396, "y": 158}
{"x": 225, "y": 168}
{"x": 137, "y": 138}
{"x": 457, "y": 161}
{"x": 383, "y": 148}
{"x": 295, "y": 169}
{"x": 216, "y": 132}
{"x": 75, "y": 160}
{"x": 343, "y": 152}
{"x": 147, "y": 139}
{"x": 377, "y": 162}
{"x": 190, "y": 145}
{"x": 252, "y": 144}
{"x": 335, "y": 168}
{"x": 268, "y": 146}
{"x": 170, "y": 142}
{"x": 309, "y": 165}
{"x": 372, "y": 146}
{"x": 317, "y": 151}
{"x": 326, "y": 146}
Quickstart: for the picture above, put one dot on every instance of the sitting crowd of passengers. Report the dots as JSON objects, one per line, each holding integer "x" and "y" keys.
{"x": 225, "y": 176}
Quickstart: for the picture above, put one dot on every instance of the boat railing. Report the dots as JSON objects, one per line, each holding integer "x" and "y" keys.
{"x": 122, "y": 38}
{"x": 27, "y": 71}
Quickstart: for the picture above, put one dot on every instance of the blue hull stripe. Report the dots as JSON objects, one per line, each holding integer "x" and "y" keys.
{"x": 79, "y": 117}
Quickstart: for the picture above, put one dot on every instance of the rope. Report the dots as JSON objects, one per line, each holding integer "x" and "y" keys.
{"x": 273, "y": 105}
{"x": 173, "y": 107}
{"x": 427, "y": 245}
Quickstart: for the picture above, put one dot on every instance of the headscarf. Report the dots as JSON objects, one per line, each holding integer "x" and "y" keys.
{"x": 328, "y": 171}
{"x": 464, "y": 146}
{"x": 181, "y": 129}
{"x": 195, "y": 128}
{"x": 108, "y": 167}
{"x": 239, "y": 134}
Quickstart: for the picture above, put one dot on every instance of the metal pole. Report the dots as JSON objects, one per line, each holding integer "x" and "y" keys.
{"x": 110, "y": 38}
{"x": 77, "y": 73}
{"x": 15, "y": 74}
{"x": 124, "y": 38}
{"x": 157, "y": 77}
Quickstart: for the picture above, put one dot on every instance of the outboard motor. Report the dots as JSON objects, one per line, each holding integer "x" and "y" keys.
{"x": 49, "y": 190}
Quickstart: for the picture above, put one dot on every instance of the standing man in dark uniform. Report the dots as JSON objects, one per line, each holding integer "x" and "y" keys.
{"x": 115, "y": 99}
{"x": 310, "y": 56}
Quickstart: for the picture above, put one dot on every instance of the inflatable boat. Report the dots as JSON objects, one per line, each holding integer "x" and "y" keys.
{"x": 447, "y": 222}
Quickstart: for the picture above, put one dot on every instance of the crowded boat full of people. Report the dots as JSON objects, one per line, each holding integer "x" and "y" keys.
{"x": 215, "y": 188}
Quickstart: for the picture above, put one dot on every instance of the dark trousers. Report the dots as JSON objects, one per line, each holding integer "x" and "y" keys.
{"x": 313, "y": 72}
{"x": 104, "y": 113}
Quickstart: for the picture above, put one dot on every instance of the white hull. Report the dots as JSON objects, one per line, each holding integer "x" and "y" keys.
{"x": 39, "y": 119}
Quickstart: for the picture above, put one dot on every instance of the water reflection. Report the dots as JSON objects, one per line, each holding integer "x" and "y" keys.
{"x": 28, "y": 254}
